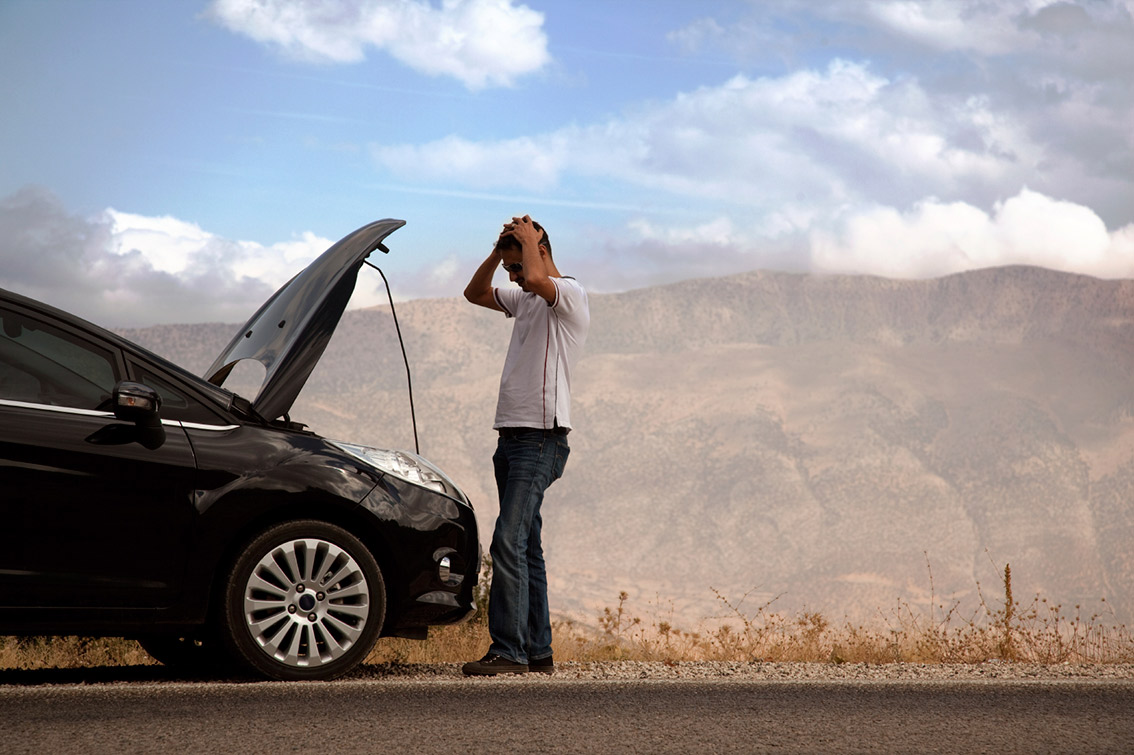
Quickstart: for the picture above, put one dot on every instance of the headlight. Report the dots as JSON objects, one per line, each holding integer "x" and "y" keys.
{"x": 405, "y": 466}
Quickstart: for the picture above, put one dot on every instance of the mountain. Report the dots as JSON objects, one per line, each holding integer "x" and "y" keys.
{"x": 830, "y": 443}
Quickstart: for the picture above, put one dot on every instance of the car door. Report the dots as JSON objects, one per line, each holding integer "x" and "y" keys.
{"x": 93, "y": 519}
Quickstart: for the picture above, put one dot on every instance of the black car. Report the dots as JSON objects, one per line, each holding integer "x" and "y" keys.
{"x": 139, "y": 500}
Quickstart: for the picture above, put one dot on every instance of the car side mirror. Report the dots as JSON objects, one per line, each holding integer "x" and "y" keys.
{"x": 137, "y": 403}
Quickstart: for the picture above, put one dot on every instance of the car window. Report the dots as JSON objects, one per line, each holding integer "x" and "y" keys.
{"x": 176, "y": 402}
{"x": 42, "y": 364}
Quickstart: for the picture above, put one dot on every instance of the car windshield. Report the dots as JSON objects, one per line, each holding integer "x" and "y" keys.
{"x": 222, "y": 397}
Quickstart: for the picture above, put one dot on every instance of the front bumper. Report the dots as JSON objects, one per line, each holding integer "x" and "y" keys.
{"x": 431, "y": 558}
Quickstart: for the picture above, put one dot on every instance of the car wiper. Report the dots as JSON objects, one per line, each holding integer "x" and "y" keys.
{"x": 401, "y": 342}
{"x": 243, "y": 406}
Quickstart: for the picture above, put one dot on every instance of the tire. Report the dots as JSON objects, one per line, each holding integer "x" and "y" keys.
{"x": 305, "y": 600}
{"x": 186, "y": 653}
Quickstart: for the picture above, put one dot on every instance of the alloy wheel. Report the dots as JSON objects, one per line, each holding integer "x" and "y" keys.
{"x": 304, "y": 600}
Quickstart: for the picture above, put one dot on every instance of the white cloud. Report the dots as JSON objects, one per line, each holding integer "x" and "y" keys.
{"x": 122, "y": 269}
{"x": 797, "y": 156}
{"x": 446, "y": 275}
{"x": 1046, "y": 85}
{"x": 166, "y": 243}
{"x": 529, "y": 163}
{"x": 936, "y": 238}
{"x": 718, "y": 231}
{"x": 119, "y": 268}
{"x": 784, "y": 147}
{"x": 278, "y": 262}
{"x": 990, "y": 28}
{"x": 482, "y": 43}
{"x": 1051, "y": 29}
{"x": 970, "y": 102}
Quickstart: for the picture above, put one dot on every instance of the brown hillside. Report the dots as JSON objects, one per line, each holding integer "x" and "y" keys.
{"x": 816, "y": 438}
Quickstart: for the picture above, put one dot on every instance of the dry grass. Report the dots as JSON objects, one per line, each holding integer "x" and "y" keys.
{"x": 70, "y": 652}
{"x": 1000, "y": 629}
{"x": 1036, "y": 632}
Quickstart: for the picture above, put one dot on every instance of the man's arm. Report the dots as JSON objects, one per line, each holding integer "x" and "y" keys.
{"x": 536, "y": 279}
{"x": 479, "y": 290}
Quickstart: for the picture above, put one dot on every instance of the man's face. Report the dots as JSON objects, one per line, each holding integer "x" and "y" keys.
{"x": 510, "y": 257}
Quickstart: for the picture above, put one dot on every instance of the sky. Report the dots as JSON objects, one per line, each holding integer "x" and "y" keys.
{"x": 176, "y": 162}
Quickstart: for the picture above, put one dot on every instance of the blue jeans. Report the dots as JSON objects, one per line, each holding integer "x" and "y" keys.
{"x": 518, "y": 618}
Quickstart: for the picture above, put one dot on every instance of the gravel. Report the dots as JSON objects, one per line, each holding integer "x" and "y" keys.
{"x": 764, "y": 671}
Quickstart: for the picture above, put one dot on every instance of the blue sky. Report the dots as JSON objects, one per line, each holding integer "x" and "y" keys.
{"x": 178, "y": 161}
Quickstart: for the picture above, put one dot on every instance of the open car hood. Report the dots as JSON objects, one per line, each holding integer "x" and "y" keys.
{"x": 291, "y": 330}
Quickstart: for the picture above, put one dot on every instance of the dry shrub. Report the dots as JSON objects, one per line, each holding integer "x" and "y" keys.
{"x": 452, "y": 644}
{"x": 1037, "y": 632}
{"x": 71, "y": 652}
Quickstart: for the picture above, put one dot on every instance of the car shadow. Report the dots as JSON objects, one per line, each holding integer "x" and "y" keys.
{"x": 108, "y": 675}
{"x": 158, "y": 673}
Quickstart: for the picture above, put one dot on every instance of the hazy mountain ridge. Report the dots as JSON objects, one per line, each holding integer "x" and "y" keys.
{"x": 1012, "y": 304}
{"x": 820, "y": 437}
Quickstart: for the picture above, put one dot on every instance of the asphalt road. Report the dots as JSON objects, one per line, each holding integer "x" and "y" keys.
{"x": 80, "y": 712}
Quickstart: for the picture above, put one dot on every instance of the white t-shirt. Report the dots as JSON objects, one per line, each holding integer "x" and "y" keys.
{"x": 547, "y": 338}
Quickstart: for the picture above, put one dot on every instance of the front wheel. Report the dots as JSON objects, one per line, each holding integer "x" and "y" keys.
{"x": 305, "y": 600}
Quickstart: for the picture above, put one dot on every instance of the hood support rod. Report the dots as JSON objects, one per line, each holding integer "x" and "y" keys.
{"x": 402, "y": 343}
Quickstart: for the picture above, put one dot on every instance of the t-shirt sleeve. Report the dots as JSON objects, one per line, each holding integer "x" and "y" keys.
{"x": 508, "y": 299}
{"x": 571, "y": 299}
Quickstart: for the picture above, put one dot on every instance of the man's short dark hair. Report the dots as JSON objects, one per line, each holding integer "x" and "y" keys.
{"x": 510, "y": 242}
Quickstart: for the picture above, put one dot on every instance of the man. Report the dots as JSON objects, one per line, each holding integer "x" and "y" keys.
{"x": 533, "y": 417}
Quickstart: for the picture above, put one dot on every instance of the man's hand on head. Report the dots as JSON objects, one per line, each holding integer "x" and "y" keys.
{"x": 524, "y": 230}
